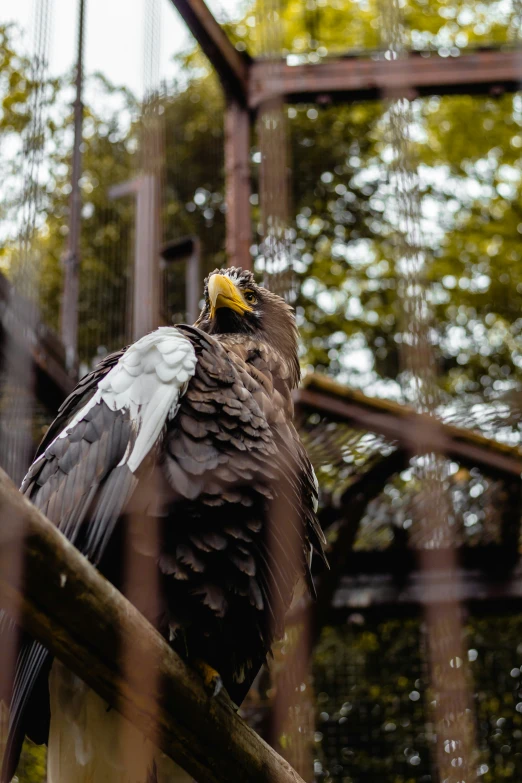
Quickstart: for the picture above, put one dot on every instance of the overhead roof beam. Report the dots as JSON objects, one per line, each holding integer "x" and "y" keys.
{"x": 232, "y": 66}
{"x": 363, "y": 78}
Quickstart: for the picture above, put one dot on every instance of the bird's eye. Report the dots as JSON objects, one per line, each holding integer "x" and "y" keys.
{"x": 250, "y": 297}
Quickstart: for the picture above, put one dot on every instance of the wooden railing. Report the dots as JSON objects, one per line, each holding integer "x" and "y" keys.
{"x": 65, "y": 603}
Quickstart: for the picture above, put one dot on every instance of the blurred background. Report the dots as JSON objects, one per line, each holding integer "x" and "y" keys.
{"x": 364, "y": 158}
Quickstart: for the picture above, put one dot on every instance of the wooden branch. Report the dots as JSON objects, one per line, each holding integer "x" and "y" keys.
{"x": 403, "y": 425}
{"x": 406, "y": 591}
{"x": 232, "y": 67}
{"x": 352, "y": 508}
{"x": 66, "y": 604}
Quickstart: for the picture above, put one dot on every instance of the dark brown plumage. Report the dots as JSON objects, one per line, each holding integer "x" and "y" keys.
{"x": 222, "y": 506}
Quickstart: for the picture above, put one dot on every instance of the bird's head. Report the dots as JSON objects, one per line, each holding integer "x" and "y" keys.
{"x": 235, "y": 304}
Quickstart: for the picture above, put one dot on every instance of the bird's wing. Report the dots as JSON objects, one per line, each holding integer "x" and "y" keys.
{"x": 104, "y": 432}
{"x": 78, "y": 398}
{"x": 88, "y": 466}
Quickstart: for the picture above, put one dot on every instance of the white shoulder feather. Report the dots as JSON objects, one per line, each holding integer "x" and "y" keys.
{"x": 148, "y": 382}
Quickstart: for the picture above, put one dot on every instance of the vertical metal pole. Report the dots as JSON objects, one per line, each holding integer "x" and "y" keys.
{"x": 72, "y": 257}
{"x": 146, "y": 283}
{"x": 237, "y": 174}
{"x": 193, "y": 285}
{"x": 146, "y": 307}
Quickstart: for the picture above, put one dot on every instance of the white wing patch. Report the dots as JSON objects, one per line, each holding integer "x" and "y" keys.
{"x": 148, "y": 381}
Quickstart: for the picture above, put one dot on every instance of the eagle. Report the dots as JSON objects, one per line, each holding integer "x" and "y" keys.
{"x": 176, "y": 469}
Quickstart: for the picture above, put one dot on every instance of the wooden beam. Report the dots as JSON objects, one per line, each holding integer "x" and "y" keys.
{"x": 365, "y": 78}
{"x": 365, "y": 591}
{"x": 401, "y": 424}
{"x": 66, "y": 604}
{"x": 399, "y": 560}
{"x": 232, "y": 67}
{"x": 352, "y": 506}
{"x": 237, "y": 185}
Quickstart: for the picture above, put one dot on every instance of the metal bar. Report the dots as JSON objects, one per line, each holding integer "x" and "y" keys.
{"x": 232, "y": 66}
{"x": 192, "y": 282}
{"x": 362, "y": 78}
{"x": 350, "y": 509}
{"x": 237, "y": 175}
{"x": 146, "y": 300}
{"x": 71, "y": 288}
{"x": 146, "y": 282}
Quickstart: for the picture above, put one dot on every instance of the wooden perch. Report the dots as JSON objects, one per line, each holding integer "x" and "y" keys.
{"x": 66, "y": 604}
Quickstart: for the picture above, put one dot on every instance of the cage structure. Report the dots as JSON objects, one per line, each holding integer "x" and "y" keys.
{"x": 365, "y": 628}
{"x": 360, "y": 448}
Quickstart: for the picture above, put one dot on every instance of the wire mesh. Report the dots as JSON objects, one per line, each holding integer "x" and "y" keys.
{"x": 274, "y": 193}
{"x": 455, "y": 750}
{"x": 374, "y": 700}
{"x": 18, "y": 371}
{"x": 383, "y": 692}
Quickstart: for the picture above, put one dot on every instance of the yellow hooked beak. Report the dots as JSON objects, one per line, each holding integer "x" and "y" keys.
{"x": 223, "y": 293}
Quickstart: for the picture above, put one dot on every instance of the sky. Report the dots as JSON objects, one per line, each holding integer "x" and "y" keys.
{"x": 114, "y": 35}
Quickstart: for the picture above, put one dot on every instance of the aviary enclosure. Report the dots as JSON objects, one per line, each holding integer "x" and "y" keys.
{"x": 364, "y": 159}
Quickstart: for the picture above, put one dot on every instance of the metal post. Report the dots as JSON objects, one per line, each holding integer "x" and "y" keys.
{"x": 237, "y": 174}
{"x": 69, "y": 325}
{"x": 193, "y": 283}
{"x": 146, "y": 304}
{"x": 187, "y": 250}
{"x": 146, "y": 288}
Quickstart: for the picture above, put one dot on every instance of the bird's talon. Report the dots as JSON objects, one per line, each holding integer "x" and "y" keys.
{"x": 211, "y": 678}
